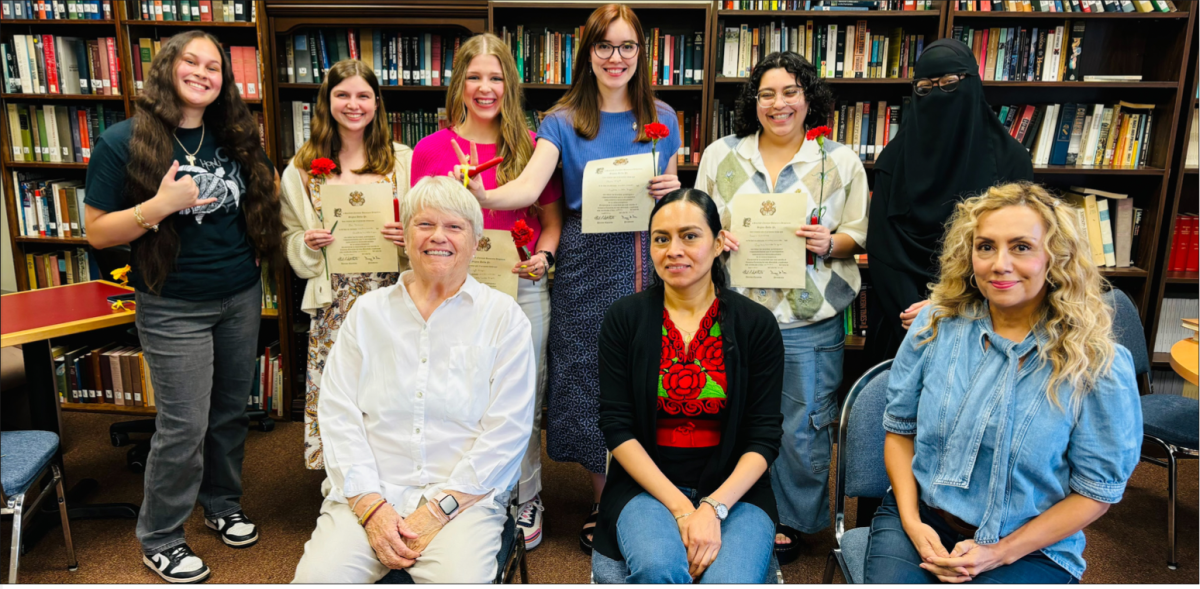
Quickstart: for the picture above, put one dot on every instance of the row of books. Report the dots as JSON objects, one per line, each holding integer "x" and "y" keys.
{"x": 864, "y": 127}
{"x": 243, "y": 60}
{"x": 1037, "y": 54}
{"x": 57, "y": 10}
{"x": 112, "y": 373}
{"x": 1184, "y": 255}
{"x": 52, "y": 64}
{"x": 854, "y": 317}
{"x": 546, "y": 57}
{"x": 828, "y": 5}
{"x": 198, "y": 10}
{"x": 49, "y": 207}
{"x": 1109, "y": 222}
{"x": 58, "y": 268}
{"x": 690, "y": 147}
{"x": 397, "y": 58}
{"x": 270, "y": 298}
{"x": 57, "y": 134}
{"x": 1072, "y": 134}
{"x": 266, "y": 393}
{"x": 1067, "y": 6}
{"x": 838, "y": 51}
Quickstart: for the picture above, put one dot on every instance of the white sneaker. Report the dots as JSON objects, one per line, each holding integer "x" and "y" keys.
{"x": 178, "y": 565}
{"x": 529, "y": 520}
{"x": 236, "y": 530}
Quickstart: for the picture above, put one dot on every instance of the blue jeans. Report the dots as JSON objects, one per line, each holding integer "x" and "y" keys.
{"x": 650, "y": 543}
{"x": 892, "y": 558}
{"x": 812, "y": 372}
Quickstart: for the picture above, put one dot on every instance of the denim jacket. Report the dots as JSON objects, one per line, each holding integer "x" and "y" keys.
{"x": 991, "y": 448}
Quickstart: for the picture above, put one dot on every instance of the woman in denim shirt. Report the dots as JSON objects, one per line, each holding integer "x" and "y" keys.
{"x": 1012, "y": 416}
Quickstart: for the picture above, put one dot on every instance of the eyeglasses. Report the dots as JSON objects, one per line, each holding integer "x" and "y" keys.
{"x": 947, "y": 83}
{"x": 791, "y": 96}
{"x": 604, "y": 49}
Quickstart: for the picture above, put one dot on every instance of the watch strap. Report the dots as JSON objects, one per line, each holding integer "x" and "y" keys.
{"x": 716, "y": 505}
{"x": 549, "y": 257}
{"x": 438, "y": 500}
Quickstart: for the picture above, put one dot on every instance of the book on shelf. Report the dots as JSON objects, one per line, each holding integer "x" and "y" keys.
{"x": 1082, "y": 134}
{"x": 1108, "y": 222}
{"x": 838, "y": 51}
{"x": 832, "y": 5}
{"x": 1184, "y": 253}
{"x": 58, "y": 10}
{"x": 854, "y": 316}
{"x": 1067, "y": 6}
{"x": 1114, "y": 78}
{"x": 1192, "y": 160}
{"x": 58, "y": 268}
{"x": 197, "y": 10}
{"x": 1045, "y": 53}
{"x": 270, "y": 290}
{"x": 57, "y": 133}
{"x": 266, "y": 392}
{"x": 54, "y": 64}
{"x": 398, "y": 57}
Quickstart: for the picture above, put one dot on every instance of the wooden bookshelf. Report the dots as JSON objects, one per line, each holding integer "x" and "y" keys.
{"x": 109, "y": 409}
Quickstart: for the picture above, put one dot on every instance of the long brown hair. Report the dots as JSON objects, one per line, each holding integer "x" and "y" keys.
{"x": 582, "y": 100}
{"x": 514, "y": 144}
{"x": 325, "y": 141}
{"x": 151, "y": 150}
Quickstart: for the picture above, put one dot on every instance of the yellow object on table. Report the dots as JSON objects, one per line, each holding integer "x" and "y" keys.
{"x": 1184, "y": 359}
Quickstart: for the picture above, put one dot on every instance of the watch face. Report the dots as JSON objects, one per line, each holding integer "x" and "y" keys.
{"x": 722, "y": 511}
{"x": 448, "y": 504}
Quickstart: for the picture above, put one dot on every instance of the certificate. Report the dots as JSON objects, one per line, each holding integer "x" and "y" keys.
{"x": 360, "y": 210}
{"x": 494, "y": 260}
{"x": 769, "y": 253}
{"x": 616, "y": 194}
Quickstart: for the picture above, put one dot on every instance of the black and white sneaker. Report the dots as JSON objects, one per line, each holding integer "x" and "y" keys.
{"x": 178, "y": 565}
{"x": 529, "y": 519}
{"x": 236, "y": 529}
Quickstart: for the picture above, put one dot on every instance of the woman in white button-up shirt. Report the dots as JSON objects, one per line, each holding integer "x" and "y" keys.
{"x": 427, "y": 395}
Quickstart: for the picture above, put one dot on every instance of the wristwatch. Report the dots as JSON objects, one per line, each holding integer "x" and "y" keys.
{"x": 447, "y": 503}
{"x": 549, "y": 258}
{"x": 722, "y": 511}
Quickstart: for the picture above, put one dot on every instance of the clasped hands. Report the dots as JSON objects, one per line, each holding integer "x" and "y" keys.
{"x": 960, "y": 565}
{"x": 397, "y": 541}
{"x": 700, "y": 531}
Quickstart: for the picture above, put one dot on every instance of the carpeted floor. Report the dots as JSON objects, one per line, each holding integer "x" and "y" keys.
{"x": 1125, "y": 546}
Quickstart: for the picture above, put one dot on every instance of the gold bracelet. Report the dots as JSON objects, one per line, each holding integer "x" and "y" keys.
{"x": 679, "y": 517}
{"x": 137, "y": 216}
{"x": 362, "y": 521}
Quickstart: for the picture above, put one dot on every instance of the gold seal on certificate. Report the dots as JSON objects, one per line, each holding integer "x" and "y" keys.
{"x": 494, "y": 259}
{"x": 770, "y": 254}
{"x": 360, "y": 210}
{"x": 616, "y": 194}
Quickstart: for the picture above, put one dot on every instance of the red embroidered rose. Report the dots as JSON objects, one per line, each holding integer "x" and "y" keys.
{"x": 657, "y": 131}
{"x": 712, "y": 358}
{"x": 821, "y": 131}
{"x": 684, "y": 381}
{"x": 322, "y": 166}
{"x": 668, "y": 354}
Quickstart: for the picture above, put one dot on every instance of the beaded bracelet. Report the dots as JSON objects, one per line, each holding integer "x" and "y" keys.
{"x": 366, "y": 516}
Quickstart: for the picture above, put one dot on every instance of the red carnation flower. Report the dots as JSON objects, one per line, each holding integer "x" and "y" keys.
{"x": 322, "y": 166}
{"x": 521, "y": 233}
{"x": 684, "y": 381}
{"x": 821, "y": 131}
{"x": 657, "y": 131}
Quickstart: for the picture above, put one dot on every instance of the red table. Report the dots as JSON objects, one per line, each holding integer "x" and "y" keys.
{"x": 33, "y": 317}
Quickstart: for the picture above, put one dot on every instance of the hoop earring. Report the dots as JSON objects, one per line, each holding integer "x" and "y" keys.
{"x": 971, "y": 280}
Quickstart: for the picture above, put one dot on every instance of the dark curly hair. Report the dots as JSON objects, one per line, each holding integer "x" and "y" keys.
{"x": 816, "y": 93}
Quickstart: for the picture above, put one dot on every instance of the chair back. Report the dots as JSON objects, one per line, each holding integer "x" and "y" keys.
{"x": 860, "y": 469}
{"x": 1128, "y": 331}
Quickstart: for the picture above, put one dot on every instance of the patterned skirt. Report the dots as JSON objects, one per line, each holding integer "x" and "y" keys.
{"x": 592, "y": 271}
{"x": 321, "y": 335}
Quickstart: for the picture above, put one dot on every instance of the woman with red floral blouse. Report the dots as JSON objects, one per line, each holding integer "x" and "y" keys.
{"x": 693, "y": 434}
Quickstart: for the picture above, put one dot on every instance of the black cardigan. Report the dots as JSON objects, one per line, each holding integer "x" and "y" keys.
{"x": 630, "y": 348}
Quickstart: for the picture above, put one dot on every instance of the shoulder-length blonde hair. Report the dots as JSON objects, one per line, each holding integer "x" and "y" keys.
{"x": 1074, "y": 315}
{"x": 324, "y": 140}
{"x": 514, "y": 144}
{"x": 582, "y": 100}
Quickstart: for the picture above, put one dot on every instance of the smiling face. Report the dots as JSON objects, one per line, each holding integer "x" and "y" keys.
{"x": 439, "y": 244}
{"x": 780, "y": 119}
{"x": 198, "y": 73}
{"x": 352, "y": 104}
{"x": 682, "y": 246}
{"x": 1009, "y": 258}
{"x": 616, "y": 71}
{"x": 484, "y": 88}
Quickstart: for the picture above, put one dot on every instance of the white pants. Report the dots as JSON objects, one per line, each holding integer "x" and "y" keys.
{"x": 463, "y": 552}
{"x": 534, "y": 298}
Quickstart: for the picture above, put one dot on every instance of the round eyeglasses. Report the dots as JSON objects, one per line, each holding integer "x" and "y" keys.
{"x": 947, "y": 83}
{"x": 791, "y": 96}
{"x": 604, "y": 49}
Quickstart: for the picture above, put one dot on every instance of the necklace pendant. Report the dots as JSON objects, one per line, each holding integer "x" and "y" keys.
{"x": 191, "y": 160}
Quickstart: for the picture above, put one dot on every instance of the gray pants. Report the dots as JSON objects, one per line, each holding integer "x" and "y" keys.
{"x": 201, "y": 357}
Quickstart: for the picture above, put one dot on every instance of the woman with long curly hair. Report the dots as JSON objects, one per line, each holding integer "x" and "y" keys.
{"x": 1013, "y": 417}
{"x": 349, "y": 127}
{"x": 185, "y": 182}
{"x": 484, "y": 99}
{"x": 770, "y": 152}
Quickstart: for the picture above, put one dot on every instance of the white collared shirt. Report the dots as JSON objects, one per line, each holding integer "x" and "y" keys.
{"x": 410, "y": 407}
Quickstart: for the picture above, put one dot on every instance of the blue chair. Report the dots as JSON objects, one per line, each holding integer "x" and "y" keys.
{"x": 607, "y": 571}
{"x": 1169, "y": 422}
{"x": 27, "y": 457}
{"x": 860, "y": 470}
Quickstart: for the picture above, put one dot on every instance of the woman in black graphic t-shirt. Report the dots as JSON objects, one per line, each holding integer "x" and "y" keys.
{"x": 186, "y": 183}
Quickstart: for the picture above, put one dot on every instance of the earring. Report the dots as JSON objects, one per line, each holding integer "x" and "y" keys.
{"x": 972, "y": 281}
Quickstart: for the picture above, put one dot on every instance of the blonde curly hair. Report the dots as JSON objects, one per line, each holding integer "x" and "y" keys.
{"x": 1074, "y": 315}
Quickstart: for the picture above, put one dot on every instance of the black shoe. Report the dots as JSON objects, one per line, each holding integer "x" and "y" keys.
{"x": 236, "y": 529}
{"x": 178, "y": 565}
{"x": 786, "y": 553}
{"x": 588, "y": 531}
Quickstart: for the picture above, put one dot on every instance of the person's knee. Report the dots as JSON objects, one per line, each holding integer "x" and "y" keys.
{"x": 326, "y": 570}
{"x": 658, "y": 566}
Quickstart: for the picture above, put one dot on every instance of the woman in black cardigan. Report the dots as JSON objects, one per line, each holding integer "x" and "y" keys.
{"x": 690, "y": 380}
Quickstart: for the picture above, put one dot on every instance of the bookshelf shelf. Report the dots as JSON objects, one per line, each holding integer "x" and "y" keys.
{"x": 1086, "y": 85}
{"x": 385, "y": 89}
{"x": 270, "y": 313}
{"x": 191, "y": 24}
{"x": 46, "y": 165}
{"x": 52, "y": 240}
{"x": 1130, "y": 272}
{"x": 1191, "y": 170}
{"x": 658, "y": 88}
{"x": 855, "y": 342}
{"x": 985, "y": 15}
{"x": 1160, "y": 360}
{"x": 40, "y": 97}
{"x": 1183, "y": 277}
{"x": 58, "y": 22}
{"x": 849, "y": 14}
{"x": 108, "y": 408}
{"x": 1095, "y": 171}
{"x": 835, "y": 81}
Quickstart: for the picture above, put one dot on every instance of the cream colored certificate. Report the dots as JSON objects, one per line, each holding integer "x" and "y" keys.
{"x": 360, "y": 210}
{"x": 494, "y": 260}
{"x": 769, "y": 254}
{"x": 616, "y": 194}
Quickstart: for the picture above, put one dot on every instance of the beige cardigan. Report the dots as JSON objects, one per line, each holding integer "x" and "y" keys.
{"x": 299, "y": 216}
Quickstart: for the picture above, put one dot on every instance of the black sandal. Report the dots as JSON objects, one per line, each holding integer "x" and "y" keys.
{"x": 786, "y": 553}
{"x": 588, "y": 532}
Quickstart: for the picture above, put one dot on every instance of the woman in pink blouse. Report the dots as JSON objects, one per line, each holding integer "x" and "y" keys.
{"x": 485, "y": 116}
